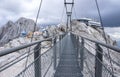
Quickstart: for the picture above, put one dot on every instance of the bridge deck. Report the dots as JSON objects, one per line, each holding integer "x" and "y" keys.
{"x": 68, "y": 65}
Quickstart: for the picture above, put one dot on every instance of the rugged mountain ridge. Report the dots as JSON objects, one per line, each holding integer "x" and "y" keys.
{"x": 12, "y": 30}
{"x": 78, "y": 28}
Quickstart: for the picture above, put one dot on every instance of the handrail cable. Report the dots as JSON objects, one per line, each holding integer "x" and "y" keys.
{"x": 103, "y": 55}
{"x": 30, "y": 65}
{"x": 89, "y": 69}
{"x": 105, "y": 67}
{"x": 6, "y": 64}
{"x": 40, "y": 5}
{"x": 15, "y": 59}
{"x": 75, "y": 12}
{"x": 3, "y": 68}
{"x": 102, "y": 62}
{"x": 15, "y": 49}
{"x": 39, "y": 9}
{"x": 11, "y": 50}
{"x": 62, "y": 14}
{"x": 116, "y": 49}
{"x": 101, "y": 21}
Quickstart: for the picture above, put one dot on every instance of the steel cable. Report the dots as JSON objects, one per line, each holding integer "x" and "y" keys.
{"x": 62, "y": 15}
{"x": 34, "y": 29}
{"x": 7, "y": 66}
{"x": 101, "y": 21}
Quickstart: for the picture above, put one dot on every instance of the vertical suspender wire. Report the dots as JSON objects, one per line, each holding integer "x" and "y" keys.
{"x": 67, "y": 16}
{"x": 36, "y": 19}
{"x": 71, "y": 16}
{"x": 101, "y": 21}
{"x": 62, "y": 15}
{"x": 75, "y": 13}
{"x": 34, "y": 30}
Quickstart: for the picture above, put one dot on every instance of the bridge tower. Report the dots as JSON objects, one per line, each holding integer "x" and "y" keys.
{"x": 69, "y": 7}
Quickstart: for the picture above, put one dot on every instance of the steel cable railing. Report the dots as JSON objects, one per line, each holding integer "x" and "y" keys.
{"x": 93, "y": 64}
{"x": 89, "y": 63}
{"x": 21, "y": 57}
{"x": 106, "y": 71}
{"x": 11, "y": 61}
{"x": 17, "y": 59}
{"x": 96, "y": 60}
{"x": 88, "y": 70}
{"x": 47, "y": 61}
{"x": 37, "y": 62}
{"x": 105, "y": 56}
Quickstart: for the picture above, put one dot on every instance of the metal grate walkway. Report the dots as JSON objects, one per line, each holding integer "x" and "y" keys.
{"x": 68, "y": 65}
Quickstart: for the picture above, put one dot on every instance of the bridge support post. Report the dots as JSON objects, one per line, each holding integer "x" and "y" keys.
{"x": 77, "y": 44}
{"x": 82, "y": 54}
{"x": 98, "y": 60}
{"x": 60, "y": 44}
{"x": 54, "y": 53}
{"x": 37, "y": 59}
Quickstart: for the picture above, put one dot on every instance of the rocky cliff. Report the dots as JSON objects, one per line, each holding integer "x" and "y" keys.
{"x": 12, "y": 30}
{"x": 93, "y": 32}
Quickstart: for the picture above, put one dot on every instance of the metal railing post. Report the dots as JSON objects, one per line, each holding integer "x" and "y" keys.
{"x": 82, "y": 54}
{"x": 63, "y": 35}
{"x": 60, "y": 46}
{"x": 98, "y": 60}
{"x": 54, "y": 53}
{"x": 37, "y": 58}
{"x": 77, "y": 45}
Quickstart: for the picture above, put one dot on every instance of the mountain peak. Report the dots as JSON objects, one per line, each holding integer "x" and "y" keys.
{"x": 12, "y": 30}
{"x": 9, "y": 23}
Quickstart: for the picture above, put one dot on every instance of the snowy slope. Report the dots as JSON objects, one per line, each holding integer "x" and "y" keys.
{"x": 18, "y": 67}
{"x": 77, "y": 28}
{"x": 97, "y": 34}
{"x": 12, "y": 30}
{"x": 114, "y": 32}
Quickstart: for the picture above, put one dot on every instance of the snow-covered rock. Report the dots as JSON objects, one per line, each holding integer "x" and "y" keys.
{"x": 78, "y": 28}
{"x": 96, "y": 33}
{"x": 12, "y": 30}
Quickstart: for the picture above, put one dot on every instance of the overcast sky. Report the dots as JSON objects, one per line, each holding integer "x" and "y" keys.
{"x": 51, "y": 11}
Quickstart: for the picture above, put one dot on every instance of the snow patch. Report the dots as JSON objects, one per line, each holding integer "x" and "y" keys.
{"x": 114, "y": 32}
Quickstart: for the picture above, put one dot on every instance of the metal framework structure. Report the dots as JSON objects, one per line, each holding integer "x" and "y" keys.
{"x": 69, "y": 4}
{"x": 68, "y": 57}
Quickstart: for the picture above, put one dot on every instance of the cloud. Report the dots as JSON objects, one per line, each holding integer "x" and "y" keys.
{"x": 51, "y": 10}
{"x": 114, "y": 32}
{"x": 109, "y": 10}
{"x": 12, "y": 10}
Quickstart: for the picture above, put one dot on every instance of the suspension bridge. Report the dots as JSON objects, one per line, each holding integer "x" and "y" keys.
{"x": 68, "y": 56}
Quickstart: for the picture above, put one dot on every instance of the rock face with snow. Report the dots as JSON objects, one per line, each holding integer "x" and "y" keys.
{"x": 95, "y": 33}
{"x": 56, "y": 29}
{"x": 12, "y": 30}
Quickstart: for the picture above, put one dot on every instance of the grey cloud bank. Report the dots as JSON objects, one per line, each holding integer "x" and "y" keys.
{"x": 51, "y": 10}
